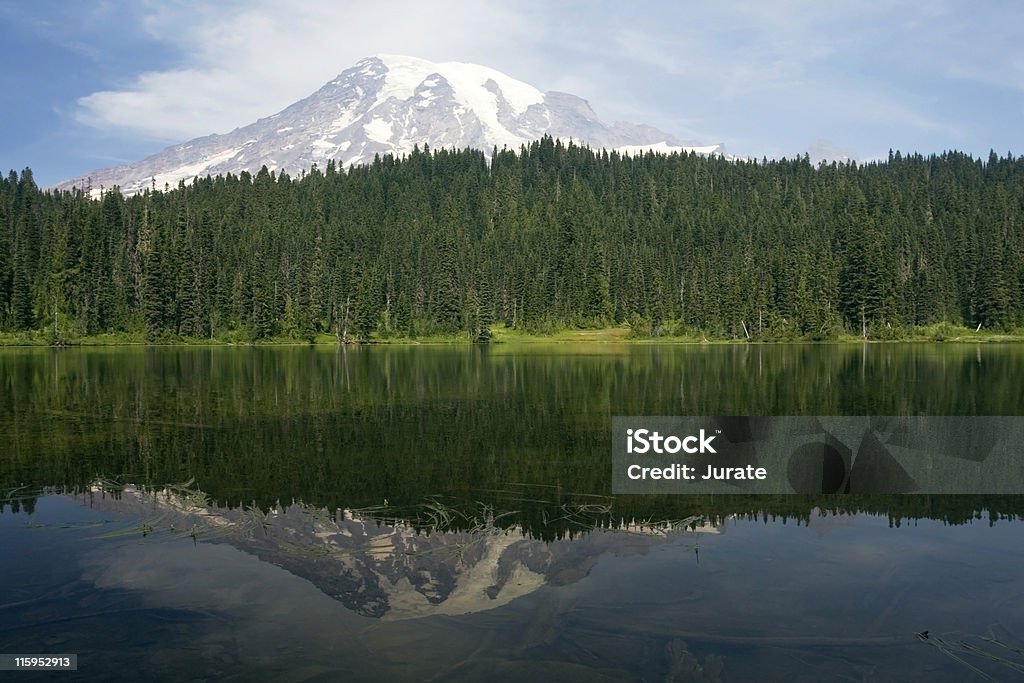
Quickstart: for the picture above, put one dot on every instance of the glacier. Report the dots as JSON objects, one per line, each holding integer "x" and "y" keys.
{"x": 389, "y": 104}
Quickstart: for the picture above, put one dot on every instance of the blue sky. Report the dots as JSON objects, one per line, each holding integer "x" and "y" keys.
{"x": 92, "y": 84}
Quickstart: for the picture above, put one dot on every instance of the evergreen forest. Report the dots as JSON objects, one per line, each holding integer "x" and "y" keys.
{"x": 549, "y": 237}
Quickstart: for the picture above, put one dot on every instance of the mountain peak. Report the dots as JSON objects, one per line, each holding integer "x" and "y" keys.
{"x": 388, "y": 104}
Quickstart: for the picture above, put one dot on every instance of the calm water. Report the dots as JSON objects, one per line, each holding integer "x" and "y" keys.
{"x": 432, "y": 513}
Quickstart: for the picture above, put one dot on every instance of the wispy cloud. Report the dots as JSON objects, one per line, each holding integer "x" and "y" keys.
{"x": 246, "y": 60}
{"x": 886, "y": 73}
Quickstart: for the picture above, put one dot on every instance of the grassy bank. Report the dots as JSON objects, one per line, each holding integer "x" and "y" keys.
{"x": 943, "y": 332}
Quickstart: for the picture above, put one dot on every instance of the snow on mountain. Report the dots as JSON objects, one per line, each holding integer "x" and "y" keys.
{"x": 823, "y": 151}
{"x": 388, "y": 104}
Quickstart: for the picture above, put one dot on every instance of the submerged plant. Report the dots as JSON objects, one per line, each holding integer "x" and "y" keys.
{"x": 994, "y": 650}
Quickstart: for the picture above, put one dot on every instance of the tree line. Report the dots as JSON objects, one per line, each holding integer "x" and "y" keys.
{"x": 547, "y": 237}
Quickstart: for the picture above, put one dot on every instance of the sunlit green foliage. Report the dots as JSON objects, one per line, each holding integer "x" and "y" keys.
{"x": 549, "y": 237}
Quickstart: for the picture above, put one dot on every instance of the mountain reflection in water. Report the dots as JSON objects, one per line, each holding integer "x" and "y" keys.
{"x": 382, "y": 566}
{"x": 165, "y": 581}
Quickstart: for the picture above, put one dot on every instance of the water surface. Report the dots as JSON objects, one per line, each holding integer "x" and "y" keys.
{"x": 414, "y": 513}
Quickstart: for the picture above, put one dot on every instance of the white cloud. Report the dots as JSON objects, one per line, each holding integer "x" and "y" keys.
{"x": 246, "y": 61}
{"x": 757, "y": 76}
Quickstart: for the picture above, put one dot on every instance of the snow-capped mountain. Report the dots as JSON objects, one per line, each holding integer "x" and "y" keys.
{"x": 387, "y": 104}
{"x": 823, "y": 151}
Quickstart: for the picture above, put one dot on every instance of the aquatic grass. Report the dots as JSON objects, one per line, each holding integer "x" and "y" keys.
{"x": 182, "y": 498}
{"x": 435, "y": 516}
{"x": 961, "y": 648}
{"x": 974, "y": 649}
{"x": 144, "y": 528}
{"x": 71, "y": 526}
{"x": 297, "y": 550}
{"x": 12, "y": 493}
{"x": 319, "y": 514}
{"x": 995, "y": 641}
{"x": 182, "y": 510}
{"x": 257, "y": 518}
{"x": 667, "y": 527}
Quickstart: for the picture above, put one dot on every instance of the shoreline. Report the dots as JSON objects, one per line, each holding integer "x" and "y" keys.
{"x": 503, "y": 336}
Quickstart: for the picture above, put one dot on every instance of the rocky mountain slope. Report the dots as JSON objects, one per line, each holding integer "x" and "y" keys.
{"x": 388, "y": 104}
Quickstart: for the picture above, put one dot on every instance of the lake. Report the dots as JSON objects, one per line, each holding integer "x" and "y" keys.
{"x": 445, "y": 513}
